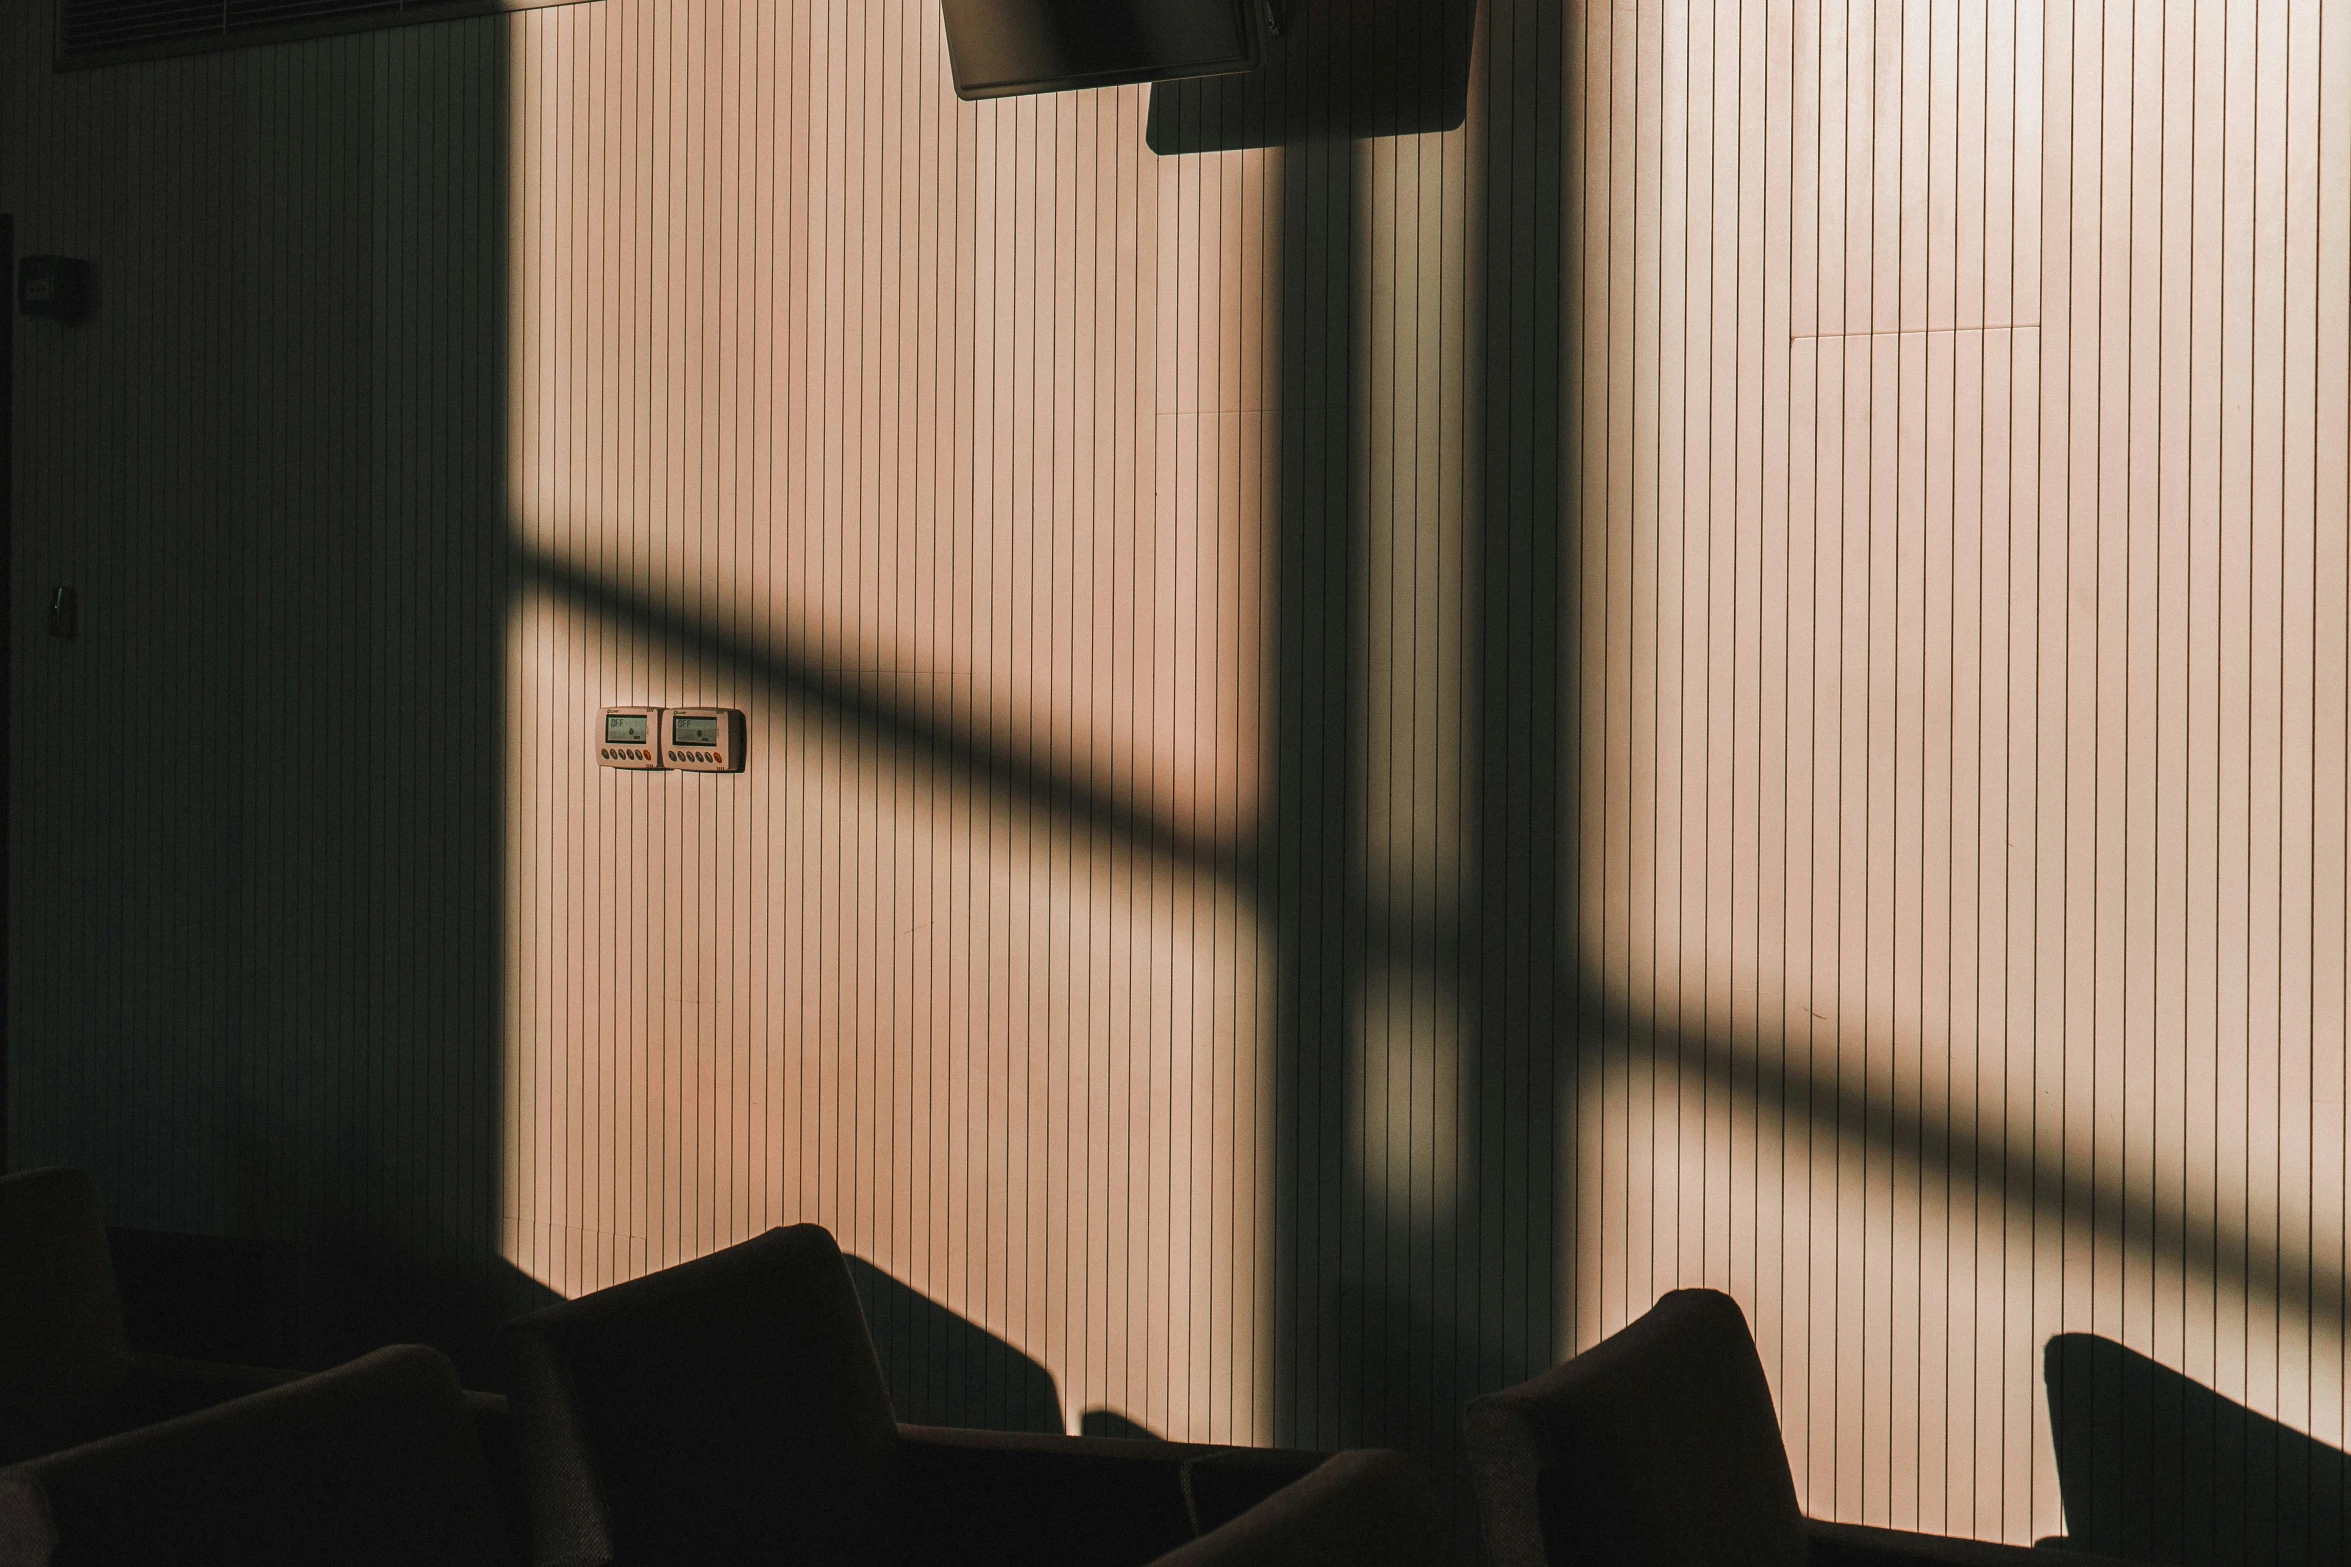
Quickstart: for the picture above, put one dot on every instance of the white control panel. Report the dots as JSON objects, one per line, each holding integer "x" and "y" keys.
{"x": 629, "y": 737}
{"x": 702, "y": 739}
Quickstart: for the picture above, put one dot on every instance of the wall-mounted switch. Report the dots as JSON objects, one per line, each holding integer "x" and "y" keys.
{"x": 65, "y": 613}
{"x": 629, "y": 737}
{"x": 54, "y": 286}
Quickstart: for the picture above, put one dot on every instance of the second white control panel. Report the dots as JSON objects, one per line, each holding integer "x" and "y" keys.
{"x": 679, "y": 739}
{"x": 702, "y": 739}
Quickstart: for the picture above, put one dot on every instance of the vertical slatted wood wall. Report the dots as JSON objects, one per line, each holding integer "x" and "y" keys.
{"x": 930, "y": 437}
{"x": 1964, "y": 811}
{"x": 256, "y": 879}
{"x": 1287, "y": 871}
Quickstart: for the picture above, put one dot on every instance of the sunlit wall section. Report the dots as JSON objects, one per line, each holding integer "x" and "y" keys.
{"x": 931, "y": 435}
{"x": 1964, "y": 601}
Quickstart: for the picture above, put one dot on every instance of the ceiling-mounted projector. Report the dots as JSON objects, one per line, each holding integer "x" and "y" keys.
{"x": 1002, "y": 48}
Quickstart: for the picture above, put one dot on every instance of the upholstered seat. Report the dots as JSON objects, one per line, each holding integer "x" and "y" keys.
{"x": 67, "y": 1372}
{"x": 731, "y": 1409}
{"x": 1359, "y": 1509}
{"x": 1659, "y": 1447}
{"x": 372, "y": 1464}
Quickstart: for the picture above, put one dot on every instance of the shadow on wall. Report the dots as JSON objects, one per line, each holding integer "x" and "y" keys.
{"x": 1394, "y": 1315}
{"x": 370, "y": 571}
{"x": 1388, "y": 1319}
{"x": 1110, "y": 1423}
{"x": 2156, "y": 1468}
{"x": 265, "y": 997}
{"x": 1337, "y": 68}
{"x": 945, "y": 1370}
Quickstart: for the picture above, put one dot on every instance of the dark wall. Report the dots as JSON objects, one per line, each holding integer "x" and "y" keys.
{"x": 256, "y": 865}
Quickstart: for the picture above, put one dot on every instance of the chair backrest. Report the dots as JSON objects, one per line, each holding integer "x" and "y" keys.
{"x": 720, "y": 1410}
{"x": 63, "y": 1354}
{"x": 1657, "y": 1447}
{"x": 372, "y": 1464}
{"x": 1366, "y": 1508}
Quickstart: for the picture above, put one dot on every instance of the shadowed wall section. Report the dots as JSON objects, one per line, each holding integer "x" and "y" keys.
{"x": 257, "y": 867}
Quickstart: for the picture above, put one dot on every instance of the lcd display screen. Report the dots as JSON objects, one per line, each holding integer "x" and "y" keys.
{"x": 624, "y": 728}
{"x": 693, "y": 731}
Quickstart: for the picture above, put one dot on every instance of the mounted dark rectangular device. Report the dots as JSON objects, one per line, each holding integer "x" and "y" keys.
{"x": 1336, "y": 68}
{"x": 1004, "y": 48}
{"x": 57, "y": 287}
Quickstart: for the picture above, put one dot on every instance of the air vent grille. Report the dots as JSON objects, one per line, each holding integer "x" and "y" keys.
{"x": 273, "y": 13}
{"x": 105, "y": 32}
{"x": 110, "y": 24}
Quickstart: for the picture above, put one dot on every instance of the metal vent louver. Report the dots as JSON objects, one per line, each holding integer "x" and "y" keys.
{"x": 275, "y": 13}
{"x": 86, "y": 26}
{"x": 101, "y": 32}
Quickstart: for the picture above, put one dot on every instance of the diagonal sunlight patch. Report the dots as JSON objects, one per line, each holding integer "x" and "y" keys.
{"x": 931, "y": 435}
{"x": 1020, "y": 1065}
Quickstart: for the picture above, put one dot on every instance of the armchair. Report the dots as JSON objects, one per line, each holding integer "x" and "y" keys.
{"x": 372, "y": 1464}
{"x": 67, "y": 1371}
{"x": 1365, "y": 1508}
{"x": 731, "y": 1409}
{"x": 1659, "y": 1445}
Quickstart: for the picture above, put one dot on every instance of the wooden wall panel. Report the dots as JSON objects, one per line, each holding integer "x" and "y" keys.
{"x": 1363, "y": 755}
{"x": 930, "y": 435}
{"x": 1970, "y": 926}
{"x": 259, "y": 892}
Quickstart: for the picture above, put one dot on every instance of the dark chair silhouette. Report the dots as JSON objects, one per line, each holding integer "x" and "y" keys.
{"x": 67, "y": 1373}
{"x": 731, "y": 1409}
{"x": 373, "y": 1464}
{"x": 2156, "y": 1468}
{"x": 1361, "y": 1509}
{"x": 1659, "y": 1446}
